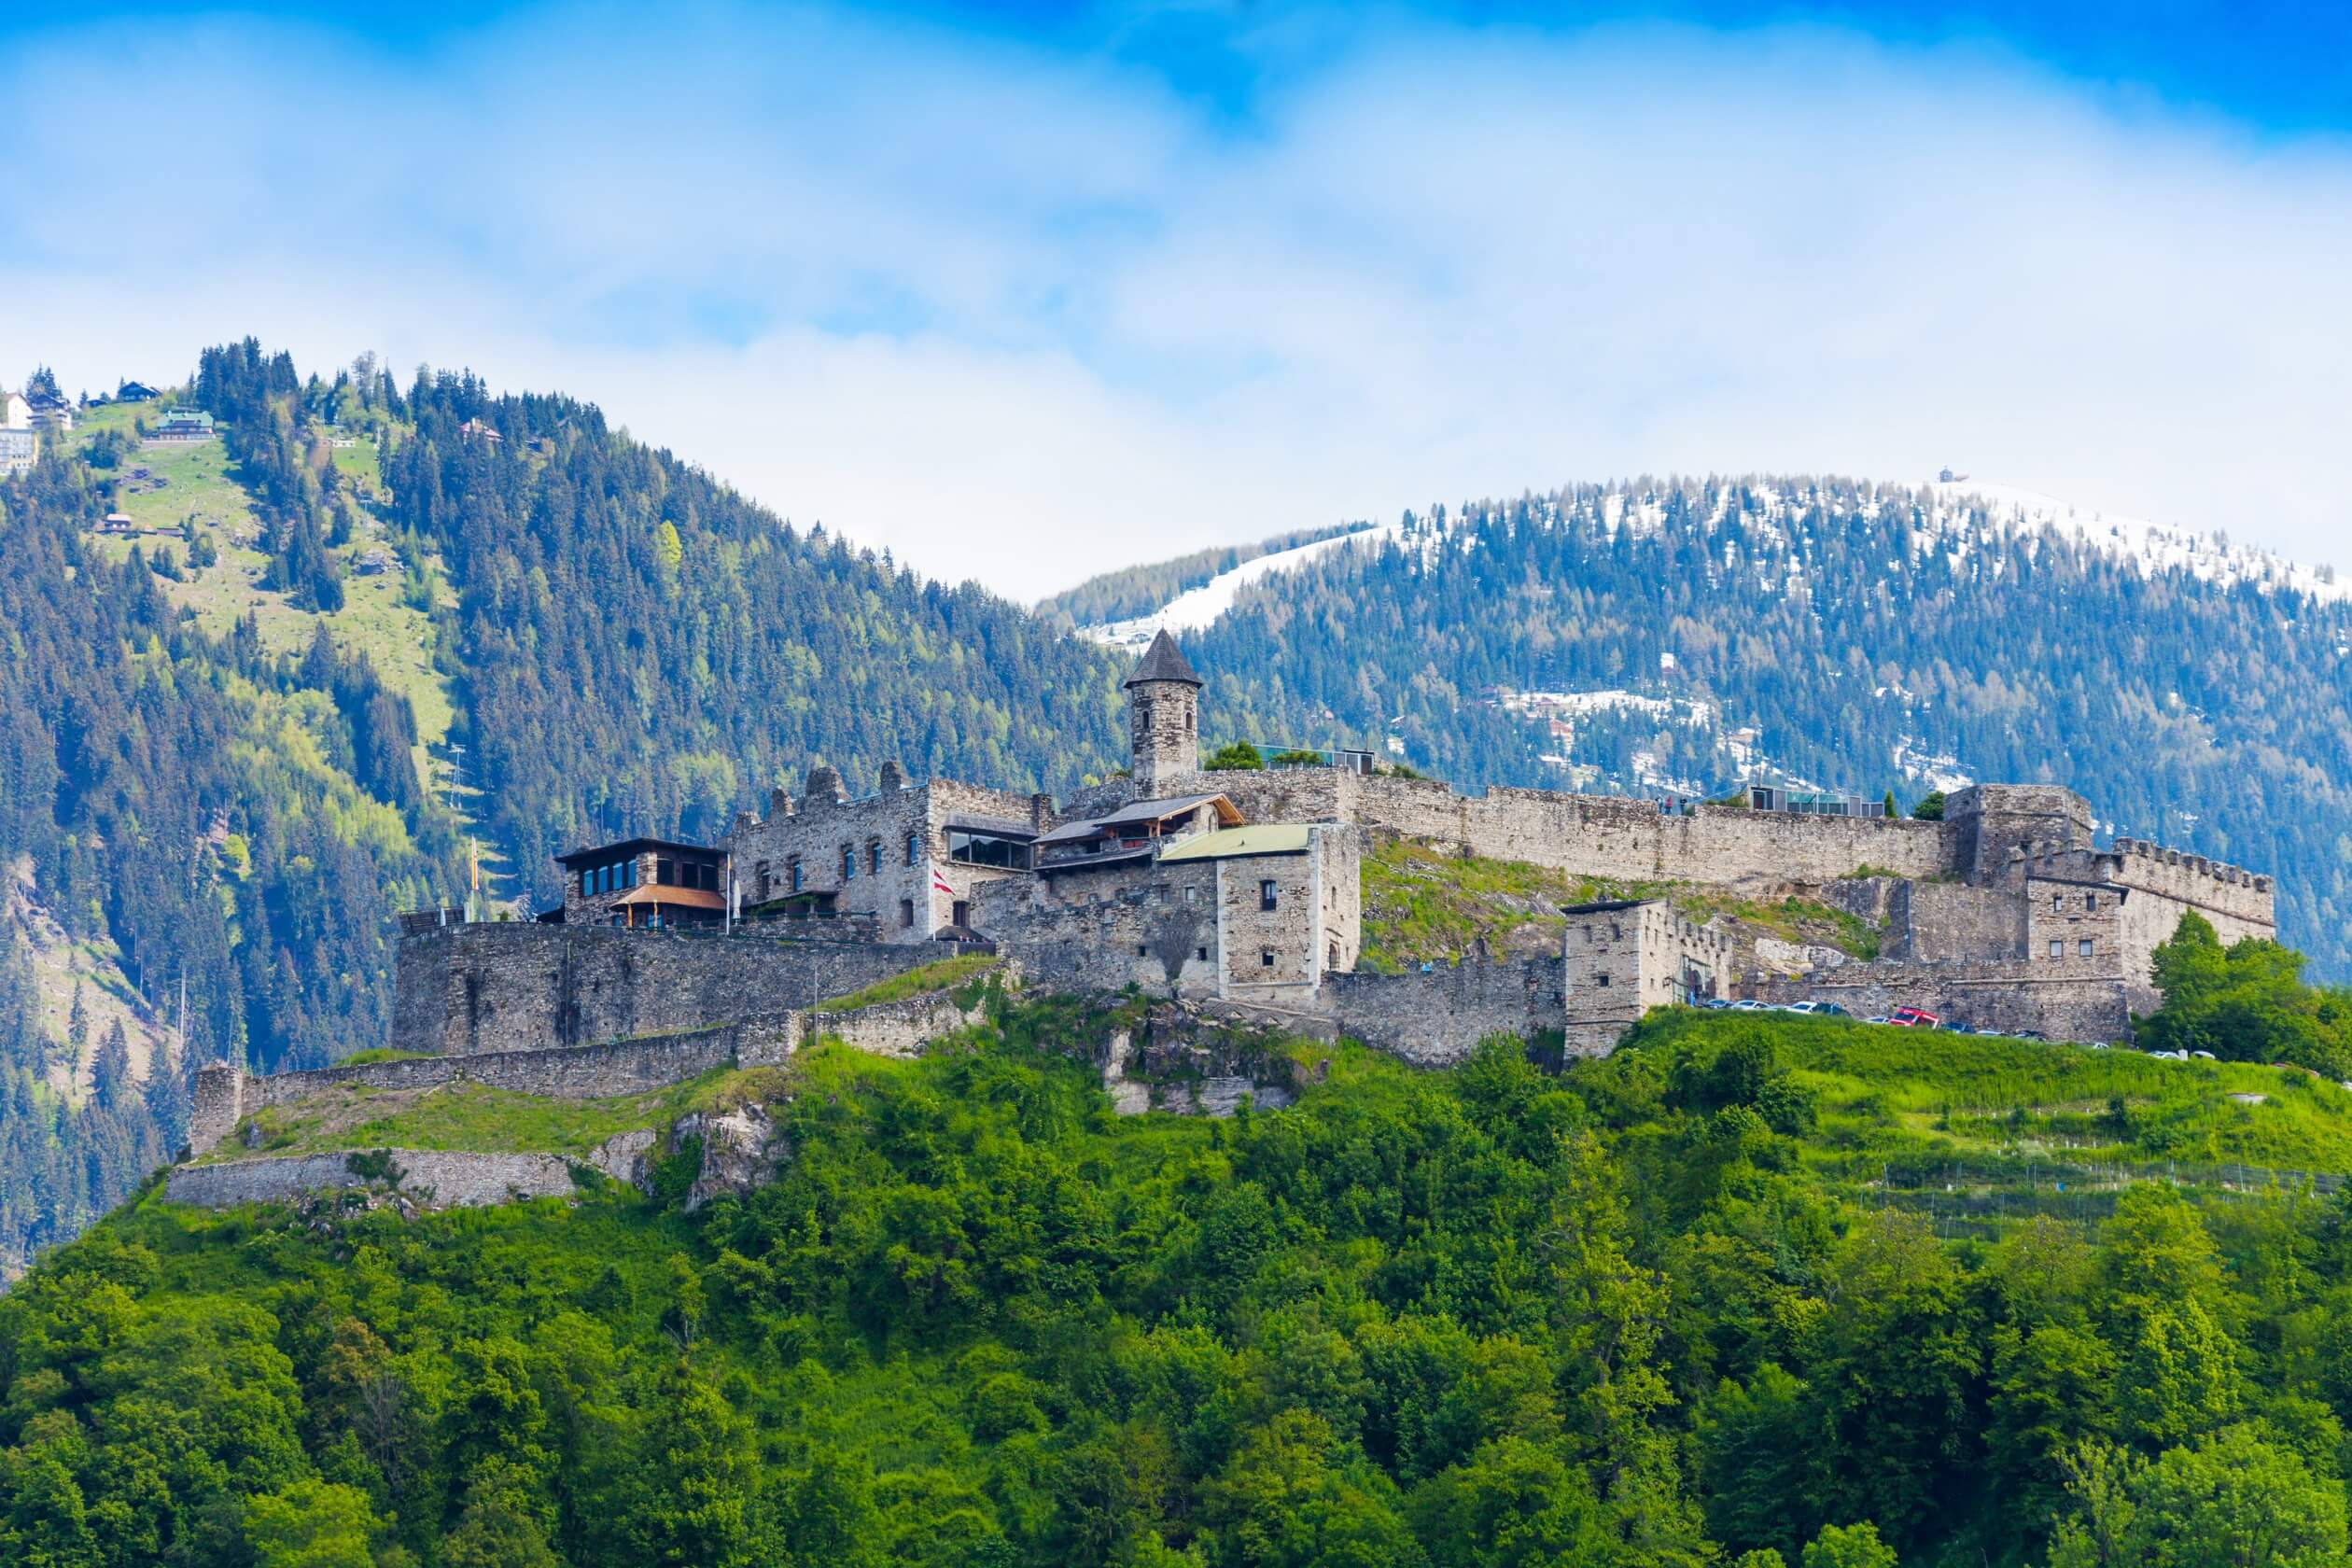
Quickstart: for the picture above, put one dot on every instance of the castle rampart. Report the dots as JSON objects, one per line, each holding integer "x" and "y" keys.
{"x": 224, "y": 1095}
{"x": 468, "y": 990}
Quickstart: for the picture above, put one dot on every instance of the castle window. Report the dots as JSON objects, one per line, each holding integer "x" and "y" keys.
{"x": 1143, "y": 950}
{"x": 1602, "y": 980}
{"x": 2090, "y": 902}
{"x": 1266, "y": 893}
{"x": 1616, "y": 933}
{"x": 587, "y": 884}
{"x": 912, "y": 841}
{"x": 1266, "y": 959}
{"x": 2083, "y": 947}
{"x": 873, "y": 857}
{"x": 1202, "y": 953}
{"x": 906, "y": 912}
{"x": 793, "y": 874}
{"x": 760, "y": 879}
{"x": 2057, "y": 902}
{"x": 1143, "y": 715}
{"x": 2057, "y": 948}
{"x": 1332, "y": 962}
{"x": 1192, "y": 895}
{"x": 632, "y": 873}
{"x": 665, "y": 873}
{"x": 849, "y": 862}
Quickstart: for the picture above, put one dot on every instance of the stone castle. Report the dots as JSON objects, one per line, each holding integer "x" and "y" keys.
{"x": 1241, "y": 891}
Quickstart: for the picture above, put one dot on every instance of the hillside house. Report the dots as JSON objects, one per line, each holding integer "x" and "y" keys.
{"x": 14, "y": 412}
{"x": 52, "y": 412}
{"x": 135, "y": 392}
{"x": 19, "y": 448}
{"x": 183, "y": 425}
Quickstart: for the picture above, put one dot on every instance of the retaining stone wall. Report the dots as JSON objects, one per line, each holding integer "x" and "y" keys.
{"x": 1437, "y": 1018}
{"x": 894, "y": 1028}
{"x": 435, "y": 1177}
{"x": 224, "y": 1095}
{"x": 468, "y": 990}
{"x": 2062, "y": 1000}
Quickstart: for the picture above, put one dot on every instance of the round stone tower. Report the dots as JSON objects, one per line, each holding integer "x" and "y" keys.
{"x": 1163, "y": 719}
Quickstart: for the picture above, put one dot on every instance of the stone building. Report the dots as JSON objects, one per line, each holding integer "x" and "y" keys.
{"x": 1625, "y": 957}
{"x": 909, "y": 858}
{"x": 652, "y": 883}
{"x": 1163, "y": 719}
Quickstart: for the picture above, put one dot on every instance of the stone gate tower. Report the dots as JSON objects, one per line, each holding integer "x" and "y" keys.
{"x": 1163, "y": 719}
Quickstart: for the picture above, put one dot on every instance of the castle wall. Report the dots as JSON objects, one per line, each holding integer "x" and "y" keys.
{"x": 464, "y": 990}
{"x": 894, "y": 1028}
{"x": 1991, "y": 819}
{"x": 1933, "y": 922}
{"x": 1631, "y": 840}
{"x": 225, "y": 1095}
{"x": 436, "y": 1178}
{"x": 1435, "y": 1017}
{"x": 2064, "y": 1000}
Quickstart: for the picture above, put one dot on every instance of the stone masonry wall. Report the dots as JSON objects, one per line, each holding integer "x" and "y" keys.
{"x": 518, "y": 986}
{"x": 2009, "y": 994}
{"x": 1437, "y": 1018}
{"x": 1930, "y": 922}
{"x": 437, "y": 1178}
{"x": 895, "y": 1029}
{"x": 224, "y": 1095}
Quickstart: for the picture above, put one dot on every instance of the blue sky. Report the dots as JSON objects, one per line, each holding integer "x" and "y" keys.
{"x": 1024, "y": 291}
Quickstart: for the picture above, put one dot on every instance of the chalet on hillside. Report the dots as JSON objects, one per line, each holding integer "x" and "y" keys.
{"x": 183, "y": 425}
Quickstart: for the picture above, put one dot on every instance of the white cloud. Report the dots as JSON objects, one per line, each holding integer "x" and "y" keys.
{"x": 1021, "y": 317}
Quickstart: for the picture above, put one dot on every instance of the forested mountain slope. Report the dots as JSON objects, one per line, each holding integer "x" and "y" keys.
{"x": 231, "y": 741}
{"x": 1865, "y": 631}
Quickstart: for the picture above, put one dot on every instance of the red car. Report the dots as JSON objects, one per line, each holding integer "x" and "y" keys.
{"x": 1912, "y": 1018}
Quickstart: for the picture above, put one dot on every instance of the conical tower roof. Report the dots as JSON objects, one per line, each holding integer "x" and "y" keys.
{"x": 1162, "y": 661}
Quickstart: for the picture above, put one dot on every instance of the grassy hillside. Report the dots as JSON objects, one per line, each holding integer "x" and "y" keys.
{"x": 1650, "y": 1312}
{"x": 1424, "y": 905}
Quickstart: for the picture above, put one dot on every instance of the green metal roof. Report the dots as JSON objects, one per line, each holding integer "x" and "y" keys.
{"x": 1226, "y": 844}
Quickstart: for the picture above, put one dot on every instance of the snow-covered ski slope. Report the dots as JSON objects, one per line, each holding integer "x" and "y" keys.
{"x": 1197, "y": 608}
{"x": 2158, "y": 547}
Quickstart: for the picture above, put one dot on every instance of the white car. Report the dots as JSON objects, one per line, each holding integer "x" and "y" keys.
{"x": 2204, "y": 1055}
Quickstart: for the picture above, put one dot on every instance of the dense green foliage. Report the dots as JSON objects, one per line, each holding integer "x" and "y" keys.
{"x": 2246, "y": 1002}
{"x": 1632, "y": 1314}
{"x": 1828, "y": 612}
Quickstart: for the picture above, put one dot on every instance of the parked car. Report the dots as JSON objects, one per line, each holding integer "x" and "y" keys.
{"x": 1798, "y": 1007}
{"x": 1713, "y": 1004}
{"x": 1912, "y": 1018}
{"x": 1876, "y": 1018}
{"x": 2028, "y": 1034}
{"x": 1959, "y": 1026}
{"x": 1747, "y": 1007}
{"x": 1830, "y": 1010}
{"x": 2204, "y": 1055}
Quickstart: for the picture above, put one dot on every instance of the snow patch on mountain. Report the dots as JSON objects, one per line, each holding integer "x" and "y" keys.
{"x": 1197, "y": 608}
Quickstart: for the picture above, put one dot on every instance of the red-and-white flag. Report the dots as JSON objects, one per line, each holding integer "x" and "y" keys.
{"x": 938, "y": 882}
